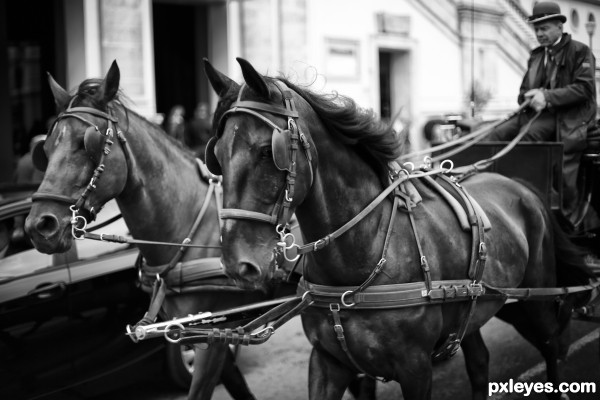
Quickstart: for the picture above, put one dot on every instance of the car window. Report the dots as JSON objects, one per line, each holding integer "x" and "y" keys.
{"x": 23, "y": 270}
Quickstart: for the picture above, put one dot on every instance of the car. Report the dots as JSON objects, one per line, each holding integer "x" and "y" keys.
{"x": 63, "y": 316}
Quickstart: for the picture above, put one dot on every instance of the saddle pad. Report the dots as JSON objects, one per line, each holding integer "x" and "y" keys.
{"x": 457, "y": 206}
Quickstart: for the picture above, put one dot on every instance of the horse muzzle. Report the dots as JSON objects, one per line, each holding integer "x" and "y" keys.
{"x": 48, "y": 234}
{"x": 248, "y": 274}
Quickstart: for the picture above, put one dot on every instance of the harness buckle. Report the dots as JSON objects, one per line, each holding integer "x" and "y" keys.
{"x": 482, "y": 251}
{"x": 427, "y": 163}
{"x": 319, "y": 244}
{"x": 475, "y": 289}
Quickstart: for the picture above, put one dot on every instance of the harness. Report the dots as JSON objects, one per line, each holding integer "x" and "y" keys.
{"x": 154, "y": 279}
{"x": 93, "y": 139}
{"x": 285, "y": 144}
{"x": 367, "y": 295}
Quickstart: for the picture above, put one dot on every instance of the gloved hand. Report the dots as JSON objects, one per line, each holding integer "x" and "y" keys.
{"x": 538, "y": 99}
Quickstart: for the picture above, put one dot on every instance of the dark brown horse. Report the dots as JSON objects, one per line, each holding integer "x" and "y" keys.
{"x": 160, "y": 191}
{"x": 282, "y": 149}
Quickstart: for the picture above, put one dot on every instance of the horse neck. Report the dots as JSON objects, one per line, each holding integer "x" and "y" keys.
{"x": 163, "y": 195}
{"x": 344, "y": 185}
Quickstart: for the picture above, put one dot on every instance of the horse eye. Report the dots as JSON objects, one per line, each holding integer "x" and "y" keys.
{"x": 266, "y": 152}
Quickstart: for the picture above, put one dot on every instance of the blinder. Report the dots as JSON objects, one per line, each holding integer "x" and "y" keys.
{"x": 39, "y": 157}
{"x": 94, "y": 141}
{"x": 281, "y": 147}
{"x": 210, "y": 159}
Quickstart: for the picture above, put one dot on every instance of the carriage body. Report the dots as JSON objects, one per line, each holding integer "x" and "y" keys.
{"x": 536, "y": 163}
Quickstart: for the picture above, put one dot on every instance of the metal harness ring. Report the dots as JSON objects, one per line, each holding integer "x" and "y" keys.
{"x": 343, "y": 297}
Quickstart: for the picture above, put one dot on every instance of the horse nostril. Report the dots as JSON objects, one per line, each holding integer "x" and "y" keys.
{"x": 249, "y": 270}
{"x": 47, "y": 225}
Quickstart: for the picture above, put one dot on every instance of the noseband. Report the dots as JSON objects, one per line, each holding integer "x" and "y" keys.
{"x": 285, "y": 148}
{"x": 92, "y": 135}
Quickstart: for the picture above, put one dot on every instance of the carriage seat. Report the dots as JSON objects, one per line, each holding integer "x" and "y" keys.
{"x": 591, "y": 154}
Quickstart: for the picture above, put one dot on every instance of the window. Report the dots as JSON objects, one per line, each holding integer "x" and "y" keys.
{"x": 575, "y": 19}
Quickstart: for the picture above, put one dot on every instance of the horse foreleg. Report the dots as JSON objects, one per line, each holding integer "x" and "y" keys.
{"x": 416, "y": 375}
{"x": 477, "y": 359}
{"x": 537, "y": 323}
{"x": 233, "y": 380}
{"x": 327, "y": 377}
{"x": 208, "y": 364}
{"x": 363, "y": 388}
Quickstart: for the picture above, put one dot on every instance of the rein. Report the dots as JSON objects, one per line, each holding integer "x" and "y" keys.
{"x": 478, "y": 134}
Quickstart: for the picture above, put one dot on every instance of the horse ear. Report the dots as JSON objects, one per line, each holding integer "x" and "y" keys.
{"x": 61, "y": 97}
{"x": 255, "y": 80}
{"x": 219, "y": 81}
{"x": 110, "y": 85}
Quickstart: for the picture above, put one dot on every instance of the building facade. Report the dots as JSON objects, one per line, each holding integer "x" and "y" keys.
{"x": 409, "y": 60}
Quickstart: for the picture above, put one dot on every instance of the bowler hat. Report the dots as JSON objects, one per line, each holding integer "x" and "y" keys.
{"x": 544, "y": 11}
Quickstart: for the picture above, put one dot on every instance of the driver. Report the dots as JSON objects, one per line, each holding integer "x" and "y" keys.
{"x": 559, "y": 82}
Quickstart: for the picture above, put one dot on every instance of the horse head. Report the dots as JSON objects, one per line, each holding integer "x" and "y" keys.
{"x": 78, "y": 148}
{"x": 267, "y": 159}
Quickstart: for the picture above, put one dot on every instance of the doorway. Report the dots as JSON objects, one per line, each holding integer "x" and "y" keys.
{"x": 180, "y": 42}
{"x": 394, "y": 86}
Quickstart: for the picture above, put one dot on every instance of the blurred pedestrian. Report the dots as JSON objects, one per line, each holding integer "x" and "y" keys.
{"x": 25, "y": 171}
{"x": 199, "y": 130}
{"x": 175, "y": 123}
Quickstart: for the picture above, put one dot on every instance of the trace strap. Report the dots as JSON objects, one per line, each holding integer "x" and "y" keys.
{"x": 247, "y": 334}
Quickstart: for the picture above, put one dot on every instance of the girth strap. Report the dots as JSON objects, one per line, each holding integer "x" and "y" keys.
{"x": 398, "y": 295}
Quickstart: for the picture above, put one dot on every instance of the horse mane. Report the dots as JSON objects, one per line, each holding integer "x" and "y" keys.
{"x": 87, "y": 94}
{"x": 373, "y": 140}
{"x": 352, "y": 124}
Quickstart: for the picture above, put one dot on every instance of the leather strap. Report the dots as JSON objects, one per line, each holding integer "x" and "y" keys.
{"x": 480, "y": 132}
{"x": 255, "y": 105}
{"x": 399, "y": 295}
{"x": 480, "y": 165}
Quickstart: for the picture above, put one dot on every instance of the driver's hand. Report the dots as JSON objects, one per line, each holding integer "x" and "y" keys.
{"x": 538, "y": 100}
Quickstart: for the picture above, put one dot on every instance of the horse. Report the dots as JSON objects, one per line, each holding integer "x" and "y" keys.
{"x": 160, "y": 191}
{"x": 387, "y": 253}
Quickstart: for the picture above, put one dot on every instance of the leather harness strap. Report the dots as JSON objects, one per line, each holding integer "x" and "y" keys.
{"x": 399, "y": 295}
{"x": 281, "y": 213}
{"x": 167, "y": 275}
{"x": 70, "y": 112}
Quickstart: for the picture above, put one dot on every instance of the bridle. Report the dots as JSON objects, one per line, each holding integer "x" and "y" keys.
{"x": 285, "y": 144}
{"x": 93, "y": 139}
